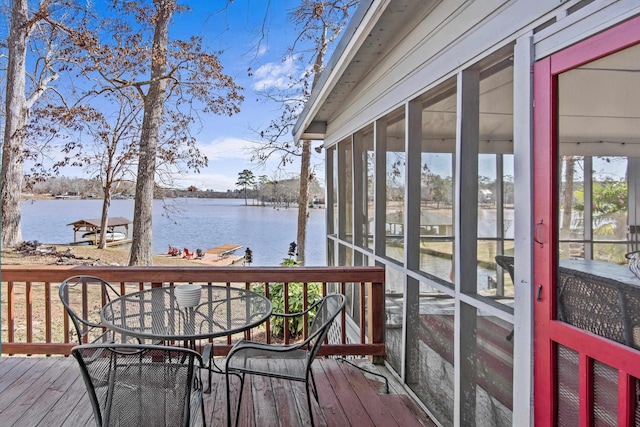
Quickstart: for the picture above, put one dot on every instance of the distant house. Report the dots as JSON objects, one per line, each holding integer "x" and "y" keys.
{"x": 537, "y": 104}
{"x": 68, "y": 195}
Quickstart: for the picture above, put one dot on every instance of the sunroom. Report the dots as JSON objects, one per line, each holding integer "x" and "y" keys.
{"x": 486, "y": 154}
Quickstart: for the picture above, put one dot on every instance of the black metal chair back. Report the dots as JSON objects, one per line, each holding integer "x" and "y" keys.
{"x": 83, "y": 297}
{"x": 142, "y": 385}
{"x": 330, "y": 307}
{"x": 506, "y": 262}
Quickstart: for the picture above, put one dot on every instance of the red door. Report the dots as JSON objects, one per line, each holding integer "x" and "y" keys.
{"x": 581, "y": 375}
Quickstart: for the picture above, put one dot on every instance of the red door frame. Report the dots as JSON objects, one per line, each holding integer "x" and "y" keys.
{"x": 548, "y": 332}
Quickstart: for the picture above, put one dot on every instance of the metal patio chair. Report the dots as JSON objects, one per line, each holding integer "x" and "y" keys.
{"x": 83, "y": 297}
{"x": 142, "y": 385}
{"x": 247, "y": 357}
{"x": 507, "y": 263}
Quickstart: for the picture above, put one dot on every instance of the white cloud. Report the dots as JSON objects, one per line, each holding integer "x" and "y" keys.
{"x": 208, "y": 181}
{"x": 228, "y": 148}
{"x": 262, "y": 50}
{"x": 275, "y": 75}
{"x": 228, "y": 156}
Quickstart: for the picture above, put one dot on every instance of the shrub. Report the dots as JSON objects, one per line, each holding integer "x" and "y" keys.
{"x": 296, "y": 301}
{"x": 296, "y": 305}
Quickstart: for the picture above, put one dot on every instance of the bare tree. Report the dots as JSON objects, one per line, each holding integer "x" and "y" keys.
{"x": 320, "y": 23}
{"x": 567, "y": 196}
{"x": 173, "y": 79}
{"x": 16, "y": 114}
{"x": 263, "y": 181}
{"x": 177, "y": 151}
{"x": 53, "y": 28}
{"x": 141, "y": 253}
{"x": 3, "y": 74}
{"x": 115, "y": 135}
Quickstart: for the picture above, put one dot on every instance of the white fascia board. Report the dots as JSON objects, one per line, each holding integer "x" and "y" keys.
{"x": 356, "y": 33}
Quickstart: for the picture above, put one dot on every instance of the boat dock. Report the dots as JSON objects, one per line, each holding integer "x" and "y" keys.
{"x": 223, "y": 251}
{"x": 90, "y": 229}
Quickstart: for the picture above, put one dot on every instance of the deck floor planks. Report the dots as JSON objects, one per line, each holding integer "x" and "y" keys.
{"x": 247, "y": 411}
{"x": 331, "y": 408}
{"x": 80, "y": 415}
{"x": 299, "y": 393}
{"x": 63, "y": 400}
{"x": 370, "y": 398}
{"x": 402, "y": 407}
{"x": 45, "y": 391}
{"x": 284, "y": 394}
{"x": 12, "y": 368}
{"x": 407, "y": 412}
{"x": 218, "y": 417}
{"x": 264, "y": 403}
{"x": 29, "y": 374}
{"x": 73, "y": 405}
{"x": 214, "y": 402}
{"x": 354, "y": 410}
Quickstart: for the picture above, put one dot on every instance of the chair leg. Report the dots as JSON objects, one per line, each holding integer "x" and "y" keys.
{"x": 208, "y": 353}
{"x": 313, "y": 382}
{"x": 309, "y": 404}
{"x": 228, "y": 402}
{"x": 209, "y": 372}
{"x": 203, "y": 414}
{"x": 239, "y": 398}
{"x": 241, "y": 377}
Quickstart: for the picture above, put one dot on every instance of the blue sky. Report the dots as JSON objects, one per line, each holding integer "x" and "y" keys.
{"x": 237, "y": 33}
{"x": 249, "y": 34}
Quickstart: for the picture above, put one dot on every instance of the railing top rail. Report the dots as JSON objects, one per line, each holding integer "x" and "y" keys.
{"x": 50, "y": 273}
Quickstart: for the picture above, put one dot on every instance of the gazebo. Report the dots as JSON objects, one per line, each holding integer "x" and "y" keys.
{"x": 93, "y": 226}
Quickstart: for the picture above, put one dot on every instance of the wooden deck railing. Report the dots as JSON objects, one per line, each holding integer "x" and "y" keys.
{"x": 34, "y": 320}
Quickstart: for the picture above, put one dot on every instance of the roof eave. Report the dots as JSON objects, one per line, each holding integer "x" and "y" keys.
{"x": 315, "y": 131}
{"x": 351, "y": 40}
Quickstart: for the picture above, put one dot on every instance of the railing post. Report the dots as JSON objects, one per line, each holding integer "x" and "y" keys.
{"x": 375, "y": 309}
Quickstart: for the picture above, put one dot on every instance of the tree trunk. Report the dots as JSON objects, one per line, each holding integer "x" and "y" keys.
{"x": 567, "y": 197}
{"x": 17, "y": 114}
{"x": 106, "y": 203}
{"x": 303, "y": 199}
{"x": 141, "y": 246}
{"x": 305, "y": 160}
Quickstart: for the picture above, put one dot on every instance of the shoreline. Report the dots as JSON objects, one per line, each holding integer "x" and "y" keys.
{"x": 211, "y": 260}
{"x": 56, "y": 254}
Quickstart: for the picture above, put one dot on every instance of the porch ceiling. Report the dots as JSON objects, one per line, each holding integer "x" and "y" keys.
{"x": 588, "y": 127}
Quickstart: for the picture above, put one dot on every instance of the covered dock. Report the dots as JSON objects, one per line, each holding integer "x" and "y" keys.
{"x": 117, "y": 224}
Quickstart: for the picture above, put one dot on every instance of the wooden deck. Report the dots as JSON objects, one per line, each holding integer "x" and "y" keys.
{"x": 48, "y": 391}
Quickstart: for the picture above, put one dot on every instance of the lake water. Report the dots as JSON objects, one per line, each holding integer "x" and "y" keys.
{"x": 191, "y": 223}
